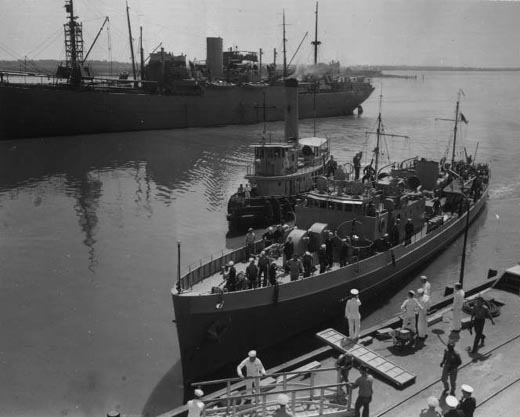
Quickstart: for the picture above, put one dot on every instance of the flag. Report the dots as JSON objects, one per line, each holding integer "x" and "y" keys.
{"x": 463, "y": 119}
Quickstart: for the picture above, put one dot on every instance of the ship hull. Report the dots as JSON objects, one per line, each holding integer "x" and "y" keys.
{"x": 36, "y": 111}
{"x": 210, "y": 337}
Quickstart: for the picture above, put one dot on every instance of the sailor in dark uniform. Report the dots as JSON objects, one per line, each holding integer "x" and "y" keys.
{"x": 408, "y": 232}
{"x": 322, "y": 258}
{"x": 231, "y": 281}
{"x": 307, "y": 264}
{"x": 357, "y": 164}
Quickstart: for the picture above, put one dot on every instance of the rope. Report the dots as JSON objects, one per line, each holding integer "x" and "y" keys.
{"x": 493, "y": 307}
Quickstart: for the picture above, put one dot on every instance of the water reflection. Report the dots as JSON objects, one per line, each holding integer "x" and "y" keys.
{"x": 87, "y": 191}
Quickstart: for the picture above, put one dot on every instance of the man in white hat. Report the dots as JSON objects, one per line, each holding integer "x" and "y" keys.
{"x": 409, "y": 308}
{"x": 283, "y": 400}
{"x": 433, "y": 409}
{"x": 231, "y": 277}
{"x": 352, "y": 314}
{"x": 467, "y": 403}
{"x": 422, "y": 319}
{"x": 452, "y": 404}
{"x": 196, "y": 405}
{"x": 426, "y": 286}
{"x": 254, "y": 368}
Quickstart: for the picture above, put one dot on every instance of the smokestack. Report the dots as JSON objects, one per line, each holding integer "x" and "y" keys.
{"x": 291, "y": 109}
{"x": 214, "y": 57}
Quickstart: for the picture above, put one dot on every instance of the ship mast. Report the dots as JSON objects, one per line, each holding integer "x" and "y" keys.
{"x": 455, "y": 130}
{"x": 131, "y": 43}
{"x": 284, "y": 49}
{"x": 141, "y": 52}
{"x": 380, "y": 131}
{"x": 316, "y": 42}
{"x": 73, "y": 45}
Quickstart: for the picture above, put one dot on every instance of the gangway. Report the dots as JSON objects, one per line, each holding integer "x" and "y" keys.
{"x": 309, "y": 396}
{"x": 367, "y": 357}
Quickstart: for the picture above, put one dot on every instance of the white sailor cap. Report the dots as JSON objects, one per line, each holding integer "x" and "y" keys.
{"x": 307, "y": 253}
{"x": 231, "y": 263}
{"x": 199, "y": 393}
{"x": 451, "y": 401}
{"x": 433, "y": 402}
{"x": 271, "y": 228}
{"x": 252, "y": 354}
{"x": 420, "y": 291}
{"x": 466, "y": 388}
{"x": 250, "y": 229}
{"x": 251, "y": 259}
{"x": 323, "y": 245}
{"x": 283, "y": 399}
{"x": 353, "y": 291}
{"x": 411, "y": 292}
{"x": 424, "y": 277}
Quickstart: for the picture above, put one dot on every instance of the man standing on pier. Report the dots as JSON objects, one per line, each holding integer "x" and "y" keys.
{"x": 426, "y": 286}
{"x": 409, "y": 308}
{"x": 364, "y": 383}
{"x": 196, "y": 406}
{"x": 345, "y": 363}
{"x": 478, "y": 318}
{"x": 467, "y": 403}
{"x": 352, "y": 314}
{"x": 450, "y": 367}
{"x": 254, "y": 368}
{"x": 422, "y": 319}
{"x": 458, "y": 303}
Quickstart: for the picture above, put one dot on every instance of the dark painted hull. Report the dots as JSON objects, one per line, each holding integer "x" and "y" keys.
{"x": 210, "y": 338}
{"x": 35, "y": 111}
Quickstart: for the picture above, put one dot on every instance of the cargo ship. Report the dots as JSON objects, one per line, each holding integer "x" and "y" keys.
{"x": 374, "y": 232}
{"x": 168, "y": 92}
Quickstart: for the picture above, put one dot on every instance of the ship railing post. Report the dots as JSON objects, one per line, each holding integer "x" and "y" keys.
{"x": 293, "y": 401}
{"x": 322, "y": 397}
{"x": 284, "y": 382}
{"x": 257, "y": 389}
{"x": 228, "y": 394}
{"x": 311, "y": 394}
{"x": 338, "y": 381}
{"x": 264, "y": 404}
{"x": 234, "y": 408}
{"x": 349, "y": 395}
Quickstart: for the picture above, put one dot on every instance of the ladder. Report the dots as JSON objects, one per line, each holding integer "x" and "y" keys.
{"x": 372, "y": 360}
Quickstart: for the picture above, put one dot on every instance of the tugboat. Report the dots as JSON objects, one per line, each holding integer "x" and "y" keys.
{"x": 373, "y": 232}
{"x": 281, "y": 172}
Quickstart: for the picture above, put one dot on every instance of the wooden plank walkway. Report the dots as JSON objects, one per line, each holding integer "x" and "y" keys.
{"x": 372, "y": 360}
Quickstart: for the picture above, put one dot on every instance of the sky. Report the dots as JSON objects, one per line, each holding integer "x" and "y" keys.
{"x": 355, "y": 32}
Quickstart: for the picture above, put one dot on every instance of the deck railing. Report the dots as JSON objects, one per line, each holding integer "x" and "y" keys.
{"x": 205, "y": 269}
{"x": 309, "y": 393}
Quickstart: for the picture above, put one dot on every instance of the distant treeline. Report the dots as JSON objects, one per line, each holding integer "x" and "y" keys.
{"x": 48, "y": 66}
{"x": 433, "y": 68}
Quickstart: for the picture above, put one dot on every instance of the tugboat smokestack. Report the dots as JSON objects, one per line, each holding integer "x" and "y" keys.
{"x": 291, "y": 109}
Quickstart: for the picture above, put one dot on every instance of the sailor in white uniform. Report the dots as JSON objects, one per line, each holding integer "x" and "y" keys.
{"x": 254, "y": 368}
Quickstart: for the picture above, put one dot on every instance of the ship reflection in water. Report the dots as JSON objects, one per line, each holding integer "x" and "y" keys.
{"x": 89, "y": 230}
